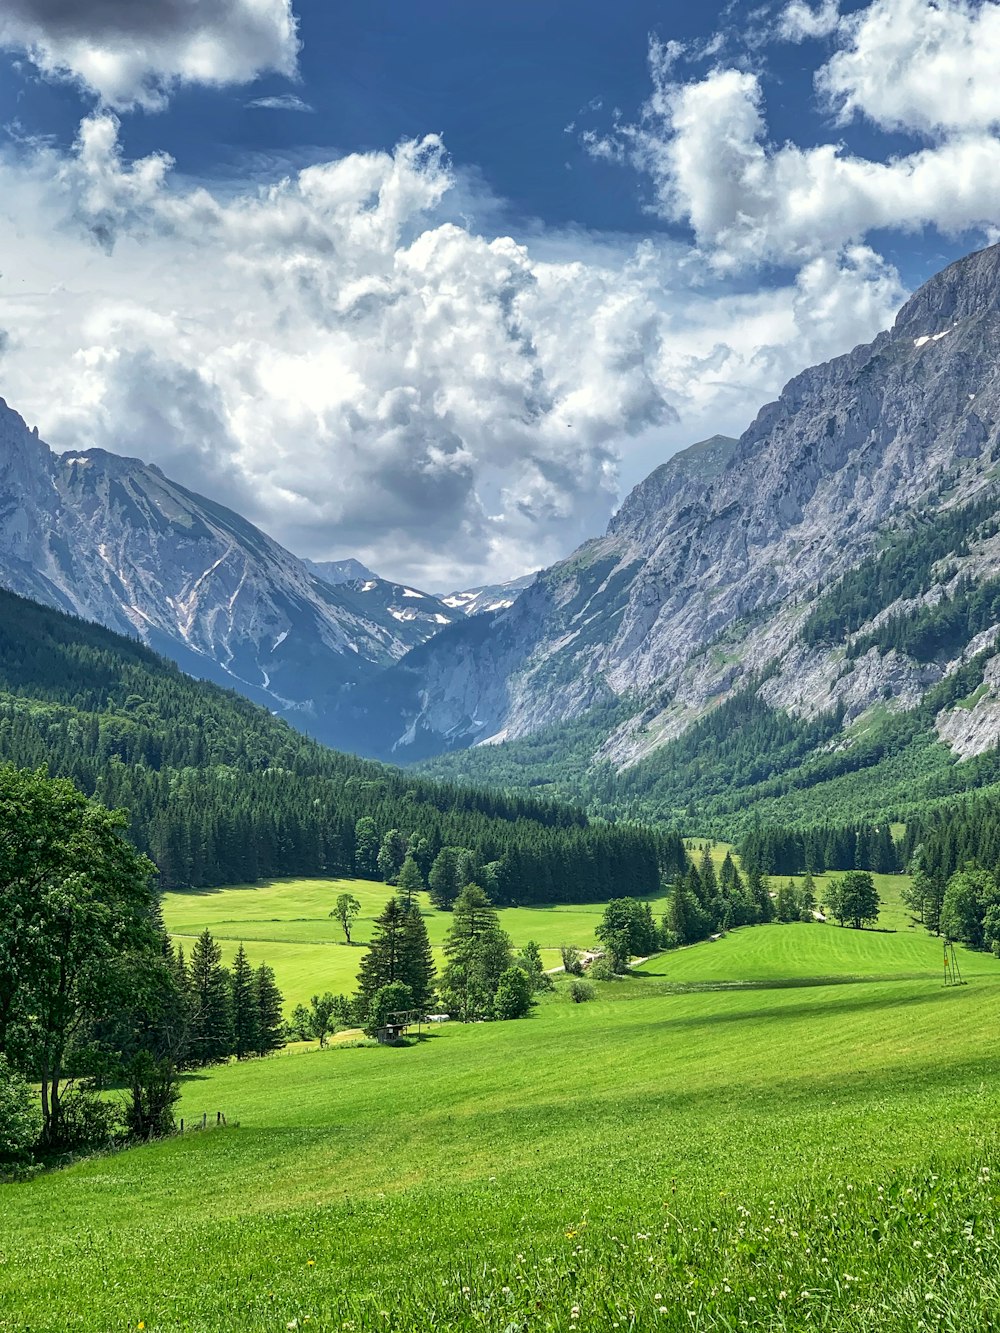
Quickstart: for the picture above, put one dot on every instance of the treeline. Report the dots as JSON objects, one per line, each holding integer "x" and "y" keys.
{"x": 941, "y": 630}
{"x": 772, "y": 850}
{"x": 905, "y": 568}
{"x": 219, "y": 791}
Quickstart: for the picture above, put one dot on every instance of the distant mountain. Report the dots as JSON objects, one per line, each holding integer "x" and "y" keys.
{"x": 824, "y": 577}
{"x": 491, "y": 597}
{"x": 418, "y": 616}
{"x": 221, "y": 792}
{"x": 113, "y": 540}
{"x": 340, "y": 571}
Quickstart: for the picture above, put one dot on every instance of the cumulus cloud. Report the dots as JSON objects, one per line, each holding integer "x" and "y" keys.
{"x": 704, "y": 145}
{"x": 132, "y": 52}
{"x": 928, "y": 66}
{"x": 343, "y": 358}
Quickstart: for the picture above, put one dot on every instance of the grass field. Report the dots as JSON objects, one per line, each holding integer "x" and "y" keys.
{"x": 286, "y": 923}
{"x": 793, "y": 1128}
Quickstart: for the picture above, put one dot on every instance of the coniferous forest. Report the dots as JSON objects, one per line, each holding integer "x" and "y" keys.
{"x": 220, "y": 792}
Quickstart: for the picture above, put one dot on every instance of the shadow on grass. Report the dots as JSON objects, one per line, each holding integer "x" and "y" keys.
{"x": 875, "y": 1000}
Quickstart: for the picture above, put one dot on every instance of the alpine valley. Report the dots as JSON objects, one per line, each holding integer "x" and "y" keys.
{"x": 765, "y": 618}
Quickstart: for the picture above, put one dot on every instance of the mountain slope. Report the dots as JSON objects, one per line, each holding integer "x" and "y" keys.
{"x": 221, "y": 792}
{"x": 706, "y": 579}
{"x": 113, "y": 540}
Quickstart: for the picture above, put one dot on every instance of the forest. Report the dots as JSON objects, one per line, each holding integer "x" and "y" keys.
{"x": 220, "y": 792}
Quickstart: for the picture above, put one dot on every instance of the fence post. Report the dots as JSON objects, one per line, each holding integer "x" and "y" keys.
{"x": 204, "y": 1120}
{"x": 182, "y": 1124}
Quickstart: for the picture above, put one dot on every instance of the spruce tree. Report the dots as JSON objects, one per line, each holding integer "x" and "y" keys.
{"x": 269, "y": 1001}
{"x": 246, "y": 1036}
{"x": 706, "y": 873}
{"x": 211, "y": 1031}
{"x": 443, "y": 881}
{"x": 807, "y": 898}
{"x": 416, "y": 963}
{"x": 382, "y": 964}
{"x": 411, "y": 881}
{"x": 478, "y": 953}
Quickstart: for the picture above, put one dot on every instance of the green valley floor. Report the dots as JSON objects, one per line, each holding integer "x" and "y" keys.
{"x": 792, "y": 1128}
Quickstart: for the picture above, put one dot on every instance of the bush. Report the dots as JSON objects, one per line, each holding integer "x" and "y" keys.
{"x": 669, "y": 939}
{"x": 20, "y": 1117}
{"x": 571, "y": 961}
{"x": 87, "y": 1123}
{"x": 581, "y": 991}
{"x": 602, "y": 969}
{"x": 154, "y": 1090}
{"x": 513, "y": 997}
{"x": 393, "y": 998}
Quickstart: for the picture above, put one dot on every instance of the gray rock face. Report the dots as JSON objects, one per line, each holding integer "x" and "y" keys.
{"x": 491, "y": 597}
{"x": 730, "y": 541}
{"x": 113, "y": 540}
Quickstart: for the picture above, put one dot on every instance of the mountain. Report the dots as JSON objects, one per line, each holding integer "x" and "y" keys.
{"x": 113, "y": 540}
{"x": 221, "y": 792}
{"x": 822, "y": 577}
{"x": 418, "y": 615}
{"x": 340, "y": 571}
{"x": 491, "y": 597}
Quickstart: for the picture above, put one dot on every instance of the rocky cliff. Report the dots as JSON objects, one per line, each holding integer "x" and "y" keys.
{"x": 711, "y": 567}
{"x": 113, "y": 540}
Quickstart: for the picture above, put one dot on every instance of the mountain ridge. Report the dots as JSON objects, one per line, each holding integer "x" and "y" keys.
{"x": 705, "y": 576}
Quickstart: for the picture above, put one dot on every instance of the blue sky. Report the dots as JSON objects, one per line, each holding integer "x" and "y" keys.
{"x": 632, "y": 224}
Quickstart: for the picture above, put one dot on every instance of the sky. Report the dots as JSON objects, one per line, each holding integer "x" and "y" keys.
{"x": 435, "y": 285}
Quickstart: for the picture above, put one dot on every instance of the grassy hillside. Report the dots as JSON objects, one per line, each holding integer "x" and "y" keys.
{"x": 286, "y": 923}
{"x": 814, "y": 1148}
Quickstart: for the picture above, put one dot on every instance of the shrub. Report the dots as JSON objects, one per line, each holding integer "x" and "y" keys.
{"x": 393, "y": 998}
{"x": 148, "y": 1110}
{"x": 669, "y": 940}
{"x": 87, "y": 1123}
{"x": 581, "y": 991}
{"x": 571, "y": 961}
{"x": 513, "y": 997}
{"x": 602, "y": 969}
{"x": 20, "y": 1117}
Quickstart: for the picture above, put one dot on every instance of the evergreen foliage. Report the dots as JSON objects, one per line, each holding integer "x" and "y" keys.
{"x": 905, "y": 567}
{"x": 220, "y": 792}
{"x": 211, "y": 1037}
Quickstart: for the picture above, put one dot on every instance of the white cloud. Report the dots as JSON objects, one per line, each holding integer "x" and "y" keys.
{"x": 282, "y": 102}
{"x": 133, "y": 52}
{"x": 801, "y": 20}
{"x": 920, "y": 65}
{"x": 336, "y": 357}
{"x": 704, "y": 145}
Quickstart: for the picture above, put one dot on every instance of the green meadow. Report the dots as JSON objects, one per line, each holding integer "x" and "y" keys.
{"x": 287, "y": 923}
{"x": 791, "y": 1128}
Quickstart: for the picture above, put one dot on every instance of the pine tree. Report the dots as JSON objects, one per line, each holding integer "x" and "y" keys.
{"x": 807, "y": 898}
{"x": 246, "y": 1035}
{"x": 211, "y": 1031}
{"x": 478, "y": 953}
{"x": 706, "y": 873}
{"x": 411, "y": 881}
{"x": 443, "y": 882}
{"x": 416, "y": 963}
{"x": 382, "y": 963}
{"x": 268, "y": 1000}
